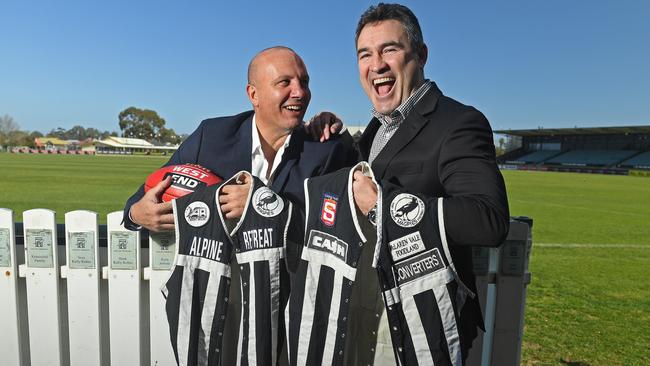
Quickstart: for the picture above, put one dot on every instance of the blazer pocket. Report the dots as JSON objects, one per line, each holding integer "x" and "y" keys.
{"x": 406, "y": 168}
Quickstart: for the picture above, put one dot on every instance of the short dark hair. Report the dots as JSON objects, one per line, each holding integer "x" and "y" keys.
{"x": 404, "y": 15}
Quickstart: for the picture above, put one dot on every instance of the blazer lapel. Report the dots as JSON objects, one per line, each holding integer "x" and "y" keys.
{"x": 407, "y": 130}
{"x": 243, "y": 147}
{"x": 368, "y": 135}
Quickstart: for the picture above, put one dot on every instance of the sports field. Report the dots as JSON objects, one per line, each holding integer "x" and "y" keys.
{"x": 589, "y": 300}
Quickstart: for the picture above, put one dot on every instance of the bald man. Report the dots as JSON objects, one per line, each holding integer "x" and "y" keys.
{"x": 269, "y": 141}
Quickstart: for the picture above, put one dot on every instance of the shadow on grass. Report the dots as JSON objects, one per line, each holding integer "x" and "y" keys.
{"x": 573, "y": 363}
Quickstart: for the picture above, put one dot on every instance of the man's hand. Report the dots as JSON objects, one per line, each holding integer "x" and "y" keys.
{"x": 324, "y": 125}
{"x": 364, "y": 192}
{"x": 149, "y": 212}
{"x": 233, "y": 197}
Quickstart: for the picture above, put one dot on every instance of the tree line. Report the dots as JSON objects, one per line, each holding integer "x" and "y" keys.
{"x": 133, "y": 122}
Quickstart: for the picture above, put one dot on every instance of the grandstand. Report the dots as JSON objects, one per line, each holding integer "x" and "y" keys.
{"x": 610, "y": 150}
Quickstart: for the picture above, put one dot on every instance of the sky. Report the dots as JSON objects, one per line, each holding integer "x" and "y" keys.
{"x": 524, "y": 64}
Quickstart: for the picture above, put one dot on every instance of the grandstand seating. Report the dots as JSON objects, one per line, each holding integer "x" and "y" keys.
{"x": 536, "y": 157}
{"x": 592, "y": 157}
{"x": 641, "y": 160}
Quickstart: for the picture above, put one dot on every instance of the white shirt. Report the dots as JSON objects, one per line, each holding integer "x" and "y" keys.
{"x": 259, "y": 164}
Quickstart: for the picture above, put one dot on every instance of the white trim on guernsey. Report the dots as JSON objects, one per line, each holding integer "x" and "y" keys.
{"x": 248, "y": 199}
{"x": 184, "y": 317}
{"x": 252, "y": 329}
{"x": 447, "y": 315}
{"x": 318, "y": 258}
{"x": 306, "y": 204}
{"x": 163, "y": 287}
{"x": 207, "y": 317}
{"x": 330, "y": 339}
{"x": 445, "y": 246}
{"x": 274, "y": 300}
{"x": 308, "y": 312}
{"x": 286, "y": 227}
{"x": 363, "y": 166}
{"x": 436, "y": 282}
{"x": 217, "y": 270}
{"x": 267, "y": 254}
{"x": 204, "y": 264}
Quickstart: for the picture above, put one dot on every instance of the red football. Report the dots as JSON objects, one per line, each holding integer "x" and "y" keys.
{"x": 186, "y": 178}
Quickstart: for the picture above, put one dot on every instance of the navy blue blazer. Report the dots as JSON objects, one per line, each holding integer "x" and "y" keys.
{"x": 224, "y": 146}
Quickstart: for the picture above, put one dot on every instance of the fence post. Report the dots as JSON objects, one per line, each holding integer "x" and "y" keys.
{"x": 83, "y": 276}
{"x": 512, "y": 280}
{"x": 42, "y": 277}
{"x": 162, "y": 249}
{"x": 486, "y": 263}
{"x": 10, "y": 348}
{"x": 124, "y": 274}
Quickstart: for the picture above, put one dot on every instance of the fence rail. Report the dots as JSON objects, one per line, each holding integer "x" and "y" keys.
{"x": 80, "y": 293}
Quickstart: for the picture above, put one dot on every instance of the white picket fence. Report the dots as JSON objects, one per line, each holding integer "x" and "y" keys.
{"x": 82, "y": 304}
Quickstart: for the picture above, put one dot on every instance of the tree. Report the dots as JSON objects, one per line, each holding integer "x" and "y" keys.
{"x": 8, "y": 128}
{"x": 19, "y": 138}
{"x": 8, "y": 125}
{"x": 141, "y": 123}
{"x": 168, "y": 135}
{"x": 59, "y": 133}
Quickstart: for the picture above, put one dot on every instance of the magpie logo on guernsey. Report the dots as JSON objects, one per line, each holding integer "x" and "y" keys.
{"x": 328, "y": 243}
{"x": 419, "y": 266}
{"x": 406, "y": 210}
{"x": 267, "y": 203}
{"x": 328, "y": 210}
{"x": 197, "y": 213}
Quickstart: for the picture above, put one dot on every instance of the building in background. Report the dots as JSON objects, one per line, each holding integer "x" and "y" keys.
{"x": 610, "y": 150}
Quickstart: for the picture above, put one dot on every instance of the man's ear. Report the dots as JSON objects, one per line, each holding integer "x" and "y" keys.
{"x": 251, "y": 91}
{"x": 422, "y": 55}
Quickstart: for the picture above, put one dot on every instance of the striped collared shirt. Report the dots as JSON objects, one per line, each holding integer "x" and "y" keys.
{"x": 390, "y": 123}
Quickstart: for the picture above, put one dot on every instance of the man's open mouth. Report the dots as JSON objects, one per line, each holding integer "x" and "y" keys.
{"x": 293, "y": 107}
{"x": 383, "y": 86}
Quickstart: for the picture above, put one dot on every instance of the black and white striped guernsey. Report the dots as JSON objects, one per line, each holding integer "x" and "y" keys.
{"x": 422, "y": 292}
{"x": 318, "y": 310}
{"x": 259, "y": 242}
{"x": 196, "y": 292}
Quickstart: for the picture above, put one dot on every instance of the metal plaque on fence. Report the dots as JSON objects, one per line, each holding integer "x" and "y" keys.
{"x": 513, "y": 257}
{"x": 5, "y": 250}
{"x": 163, "y": 250}
{"x": 480, "y": 260}
{"x": 123, "y": 250}
{"x": 39, "y": 248}
{"x": 82, "y": 249}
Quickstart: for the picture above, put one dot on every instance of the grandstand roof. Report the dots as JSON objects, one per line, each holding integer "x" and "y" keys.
{"x": 619, "y": 130}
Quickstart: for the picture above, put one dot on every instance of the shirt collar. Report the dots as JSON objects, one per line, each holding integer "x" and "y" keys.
{"x": 257, "y": 144}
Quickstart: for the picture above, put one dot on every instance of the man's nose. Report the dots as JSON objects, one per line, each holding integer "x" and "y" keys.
{"x": 377, "y": 64}
{"x": 298, "y": 91}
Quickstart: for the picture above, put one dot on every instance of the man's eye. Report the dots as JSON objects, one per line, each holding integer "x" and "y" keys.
{"x": 283, "y": 82}
{"x": 363, "y": 55}
{"x": 389, "y": 50}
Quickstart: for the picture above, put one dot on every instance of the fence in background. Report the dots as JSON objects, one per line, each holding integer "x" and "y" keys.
{"x": 85, "y": 294}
